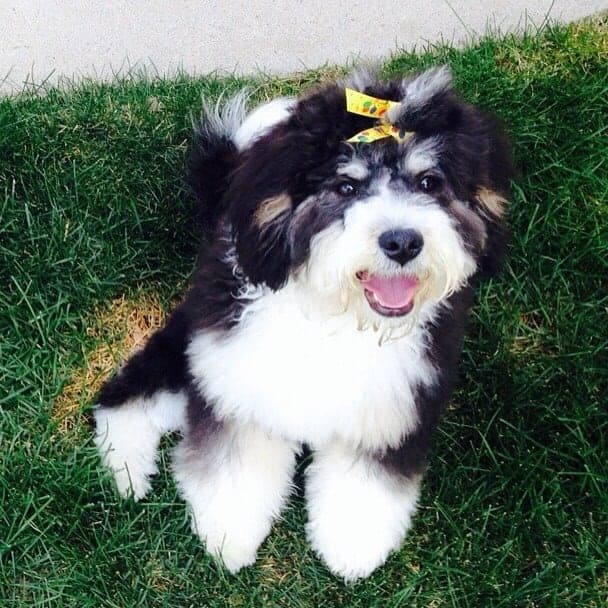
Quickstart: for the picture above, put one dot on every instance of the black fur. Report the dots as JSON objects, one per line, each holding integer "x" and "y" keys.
{"x": 211, "y": 159}
{"x": 161, "y": 365}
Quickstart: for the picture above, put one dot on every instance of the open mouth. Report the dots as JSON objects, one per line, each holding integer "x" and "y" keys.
{"x": 389, "y": 296}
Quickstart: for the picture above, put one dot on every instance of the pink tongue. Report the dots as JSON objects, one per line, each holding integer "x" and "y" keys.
{"x": 392, "y": 292}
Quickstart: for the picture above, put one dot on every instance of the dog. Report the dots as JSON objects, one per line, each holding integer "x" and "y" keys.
{"x": 327, "y": 310}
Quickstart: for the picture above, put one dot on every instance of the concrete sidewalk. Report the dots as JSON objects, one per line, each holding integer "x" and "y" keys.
{"x": 47, "y": 40}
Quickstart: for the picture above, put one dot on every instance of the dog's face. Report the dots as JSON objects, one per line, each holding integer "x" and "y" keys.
{"x": 382, "y": 230}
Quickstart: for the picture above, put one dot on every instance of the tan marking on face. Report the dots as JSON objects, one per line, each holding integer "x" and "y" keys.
{"x": 492, "y": 201}
{"x": 270, "y": 208}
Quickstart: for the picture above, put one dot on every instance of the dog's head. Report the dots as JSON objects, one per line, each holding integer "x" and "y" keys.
{"x": 383, "y": 229}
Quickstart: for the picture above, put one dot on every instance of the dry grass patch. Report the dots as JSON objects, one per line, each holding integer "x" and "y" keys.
{"x": 274, "y": 571}
{"x": 117, "y": 329}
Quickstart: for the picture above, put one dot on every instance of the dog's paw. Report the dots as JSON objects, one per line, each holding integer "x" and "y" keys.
{"x": 132, "y": 477}
{"x": 234, "y": 540}
{"x": 357, "y": 512}
{"x": 235, "y": 551}
{"x": 228, "y": 518}
{"x": 235, "y": 487}
{"x": 130, "y": 454}
{"x": 351, "y": 547}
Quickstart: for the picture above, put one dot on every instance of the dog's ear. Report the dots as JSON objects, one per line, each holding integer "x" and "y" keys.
{"x": 276, "y": 174}
{"x": 494, "y": 172}
{"x": 261, "y": 240}
{"x": 260, "y": 207}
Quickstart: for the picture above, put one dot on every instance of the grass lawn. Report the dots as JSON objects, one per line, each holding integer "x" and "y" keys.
{"x": 96, "y": 241}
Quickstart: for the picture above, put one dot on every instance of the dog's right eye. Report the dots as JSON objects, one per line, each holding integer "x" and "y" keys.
{"x": 429, "y": 183}
{"x": 346, "y": 189}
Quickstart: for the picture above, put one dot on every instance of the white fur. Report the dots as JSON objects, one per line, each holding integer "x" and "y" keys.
{"x": 422, "y": 156}
{"x": 128, "y": 436}
{"x": 344, "y": 248}
{"x": 224, "y": 118}
{"x": 428, "y": 84}
{"x": 355, "y": 169}
{"x": 235, "y": 487}
{"x": 296, "y": 365}
{"x": 261, "y": 120}
{"x": 310, "y": 379}
{"x": 357, "y": 514}
{"x": 362, "y": 77}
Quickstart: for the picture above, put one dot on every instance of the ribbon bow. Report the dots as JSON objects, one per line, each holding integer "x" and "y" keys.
{"x": 366, "y": 105}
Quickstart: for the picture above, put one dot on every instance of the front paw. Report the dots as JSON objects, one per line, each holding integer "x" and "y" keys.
{"x": 129, "y": 454}
{"x": 235, "y": 487}
{"x": 357, "y": 512}
{"x": 353, "y": 544}
{"x": 234, "y": 547}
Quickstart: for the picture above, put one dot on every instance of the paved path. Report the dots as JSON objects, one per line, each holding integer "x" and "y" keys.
{"x": 51, "y": 39}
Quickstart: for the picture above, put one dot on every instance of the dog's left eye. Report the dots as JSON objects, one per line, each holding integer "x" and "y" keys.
{"x": 429, "y": 183}
{"x": 346, "y": 189}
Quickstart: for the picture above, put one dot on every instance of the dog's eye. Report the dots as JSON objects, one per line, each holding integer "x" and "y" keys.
{"x": 429, "y": 183}
{"x": 346, "y": 189}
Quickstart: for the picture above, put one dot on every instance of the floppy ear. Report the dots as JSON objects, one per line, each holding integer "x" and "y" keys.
{"x": 276, "y": 174}
{"x": 261, "y": 239}
{"x": 260, "y": 206}
{"x": 492, "y": 197}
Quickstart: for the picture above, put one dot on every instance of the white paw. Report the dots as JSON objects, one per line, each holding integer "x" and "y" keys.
{"x": 235, "y": 547}
{"x": 235, "y": 485}
{"x": 127, "y": 442}
{"x": 353, "y": 546}
{"x": 357, "y": 514}
{"x": 127, "y": 437}
{"x": 132, "y": 478}
{"x": 137, "y": 485}
{"x": 232, "y": 526}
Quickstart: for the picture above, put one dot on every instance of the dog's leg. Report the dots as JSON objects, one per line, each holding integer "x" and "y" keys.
{"x": 235, "y": 480}
{"x": 358, "y": 510}
{"x": 143, "y": 401}
{"x": 128, "y": 437}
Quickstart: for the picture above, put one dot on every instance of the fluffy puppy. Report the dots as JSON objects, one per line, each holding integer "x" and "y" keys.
{"x": 327, "y": 310}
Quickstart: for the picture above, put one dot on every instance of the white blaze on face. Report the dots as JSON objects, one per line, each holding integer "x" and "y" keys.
{"x": 348, "y": 247}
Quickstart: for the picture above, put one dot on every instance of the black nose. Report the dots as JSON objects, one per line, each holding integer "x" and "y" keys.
{"x": 401, "y": 245}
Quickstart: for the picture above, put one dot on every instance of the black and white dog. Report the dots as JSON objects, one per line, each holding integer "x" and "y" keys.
{"x": 328, "y": 310}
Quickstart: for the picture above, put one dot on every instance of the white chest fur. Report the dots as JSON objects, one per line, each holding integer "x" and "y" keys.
{"x": 311, "y": 381}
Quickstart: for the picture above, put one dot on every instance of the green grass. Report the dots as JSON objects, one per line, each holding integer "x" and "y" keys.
{"x": 515, "y": 504}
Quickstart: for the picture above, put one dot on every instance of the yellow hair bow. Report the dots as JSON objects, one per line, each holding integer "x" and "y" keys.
{"x": 366, "y": 105}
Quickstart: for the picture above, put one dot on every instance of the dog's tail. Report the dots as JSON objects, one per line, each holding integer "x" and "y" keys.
{"x": 213, "y": 155}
